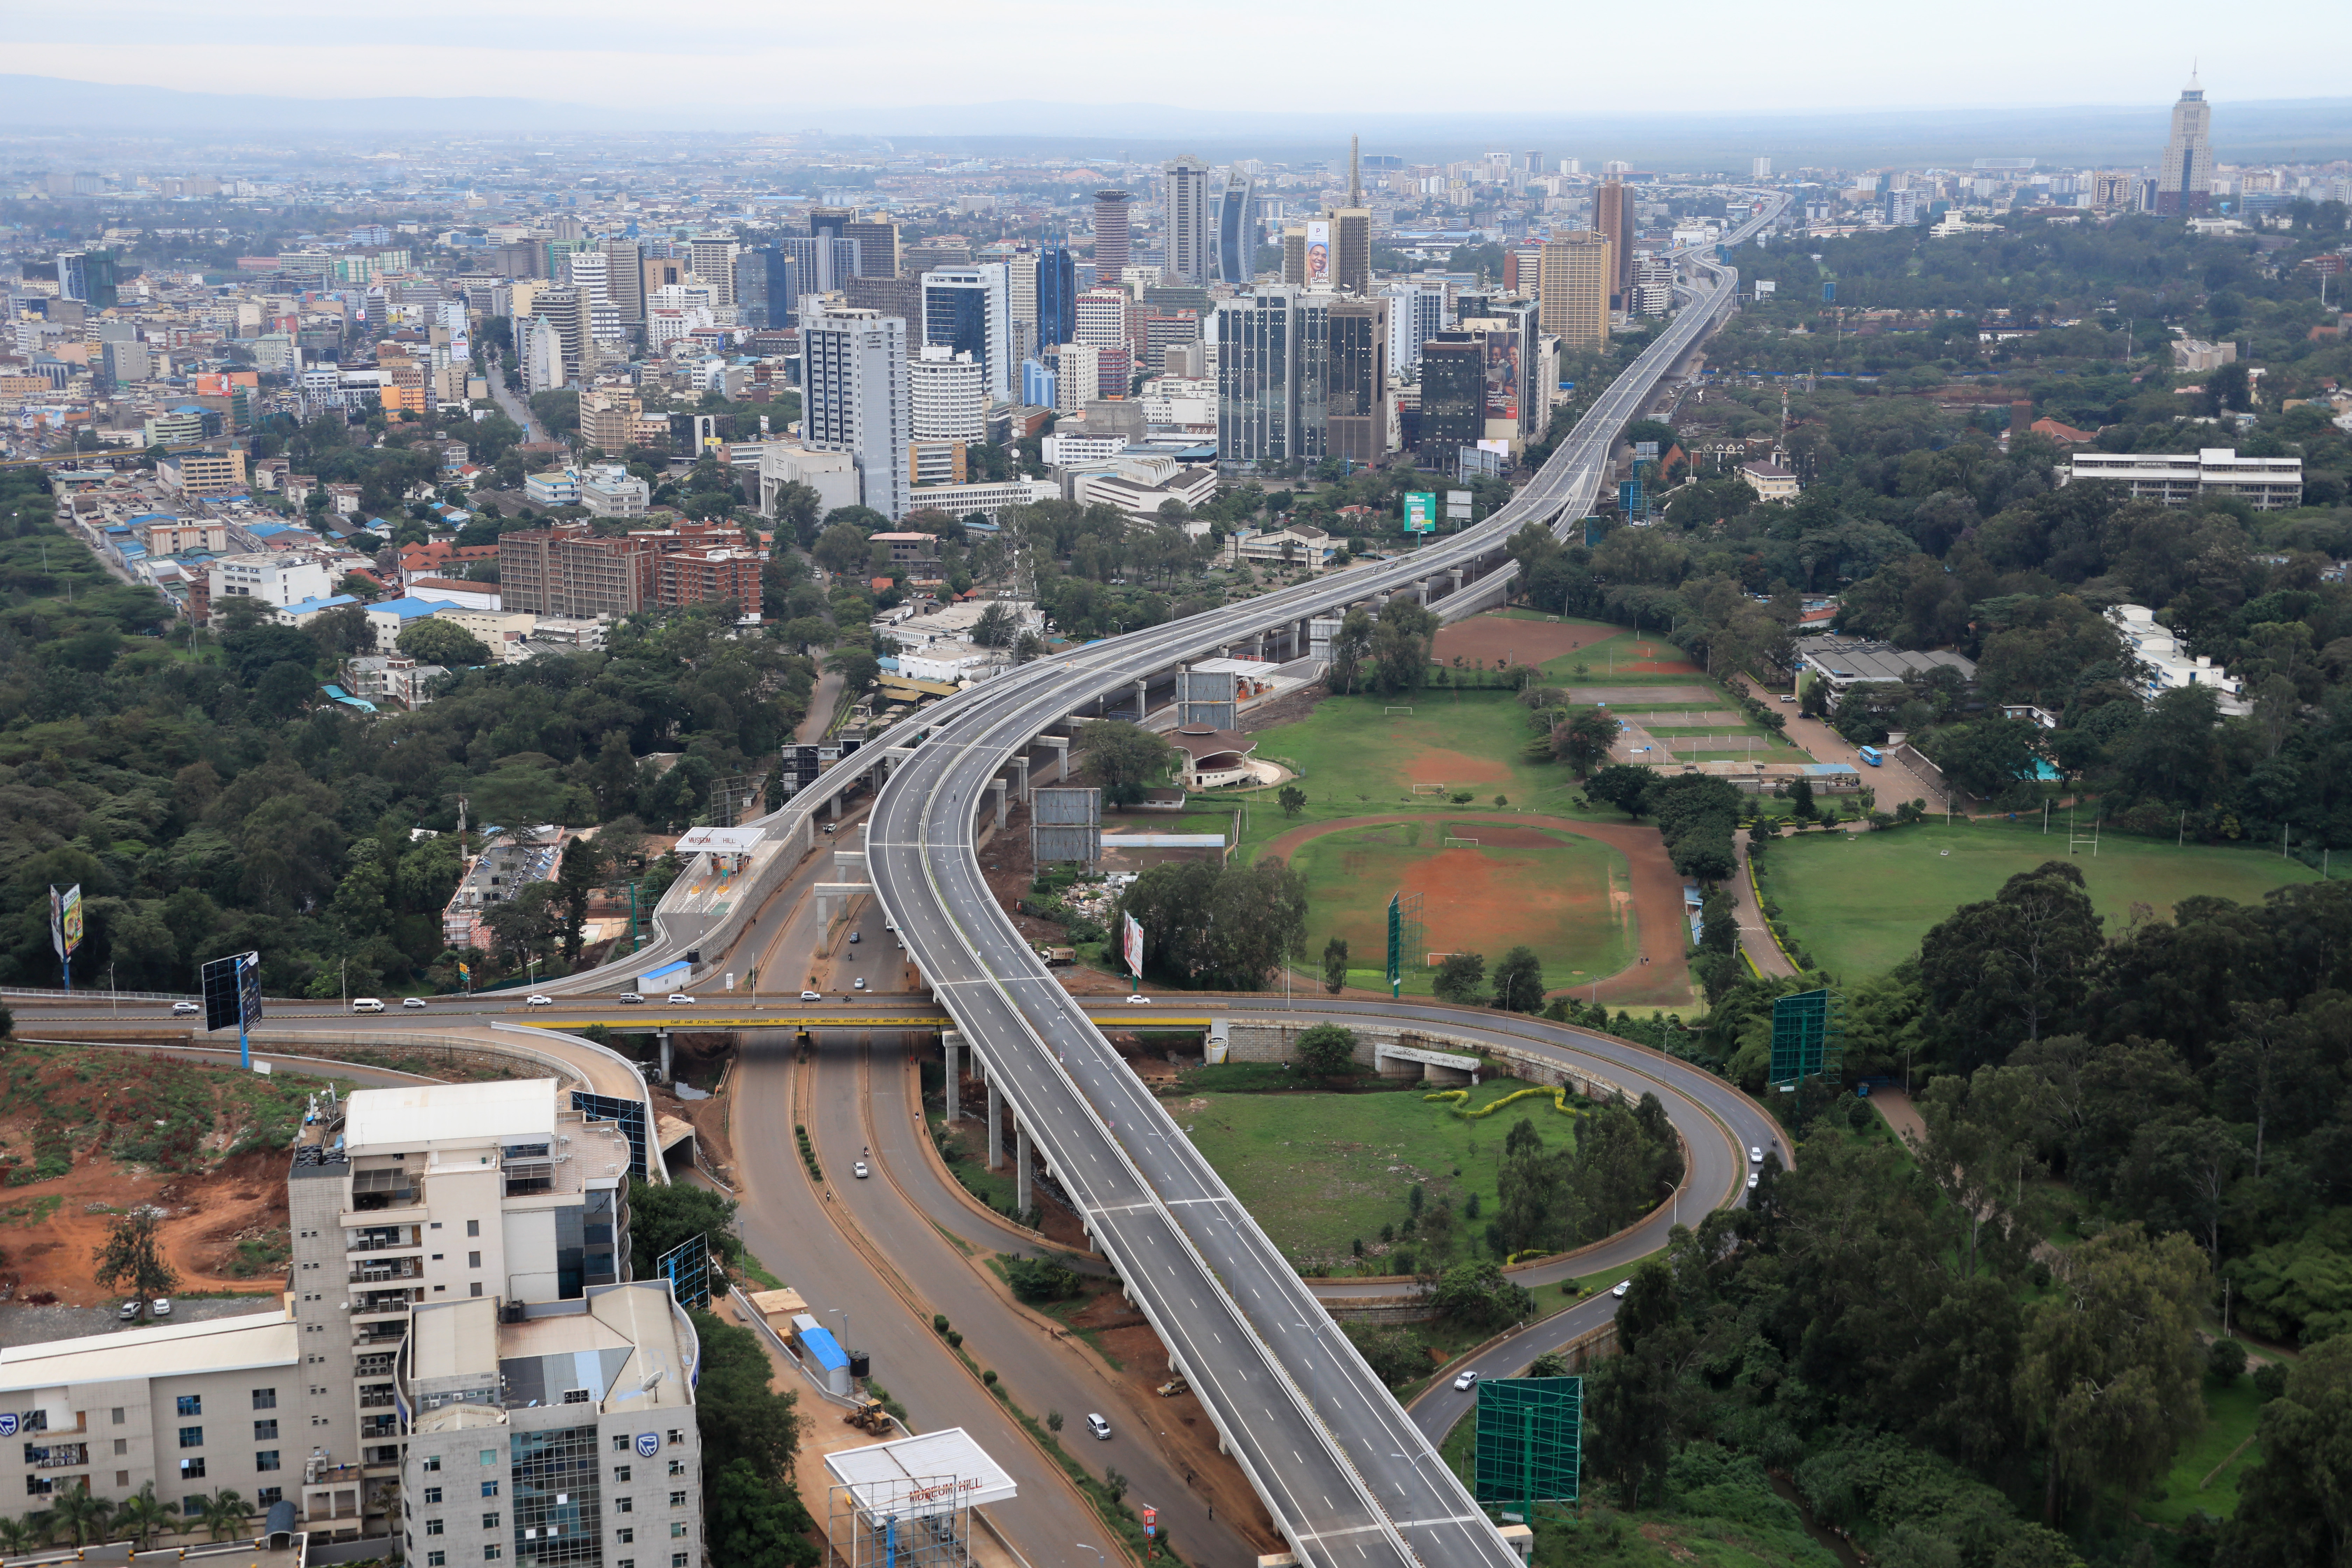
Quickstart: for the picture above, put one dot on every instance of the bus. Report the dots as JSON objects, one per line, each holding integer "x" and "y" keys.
{"x": 1870, "y": 754}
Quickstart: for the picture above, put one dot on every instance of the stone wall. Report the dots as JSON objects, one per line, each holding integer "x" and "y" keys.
{"x": 1275, "y": 1040}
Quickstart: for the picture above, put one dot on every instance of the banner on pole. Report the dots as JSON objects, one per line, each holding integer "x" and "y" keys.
{"x": 65, "y": 919}
{"x": 1132, "y": 945}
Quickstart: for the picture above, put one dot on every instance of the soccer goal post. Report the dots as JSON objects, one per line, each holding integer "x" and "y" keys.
{"x": 1406, "y": 709}
{"x": 1453, "y": 843}
{"x": 1429, "y": 789}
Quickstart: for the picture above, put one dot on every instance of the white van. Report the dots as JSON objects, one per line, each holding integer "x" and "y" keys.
{"x": 366, "y": 1005}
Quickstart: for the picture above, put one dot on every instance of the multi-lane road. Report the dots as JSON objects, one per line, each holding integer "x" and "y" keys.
{"x": 1347, "y": 1475}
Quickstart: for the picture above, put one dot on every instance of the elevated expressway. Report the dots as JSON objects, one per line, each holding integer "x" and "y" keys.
{"x": 1348, "y": 1477}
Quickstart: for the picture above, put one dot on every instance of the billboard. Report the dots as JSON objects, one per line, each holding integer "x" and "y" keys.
{"x": 1318, "y": 253}
{"x": 211, "y": 383}
{"x": 1766, "y": 286}
{"x": 1503, "y": 375}
{"x": 65, "y": 919}
{"x": 1132, "y": 947}
{"x": 232, "y": 990}
{"x": 1421, "y": 512}
{"x": 1829, "y": 293}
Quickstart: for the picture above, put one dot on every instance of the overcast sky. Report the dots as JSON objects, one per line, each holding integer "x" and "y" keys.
{"x": 1388, "y": 56}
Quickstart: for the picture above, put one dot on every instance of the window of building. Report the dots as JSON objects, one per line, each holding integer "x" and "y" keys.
{"x": 192, "y": 1506}
{"x": 432, "y": 1527}
{"x": 476, "y": 1289}
{"x": 473, "y": 1260}
{"x": 263, "y": 1431}
{"x": 677, "y": 1467}
{"x": 676, "y": 1436}
{"x": 436, "y": 1560}
{"x": 432, "y": 1461}
{"x": 621, "y": 1475}
{"x": 489, "y": 1488}
{"x": 192, "y": 1405}
{"x": 192, "y": 1470}
{"x": 117, "y": 1415}
{"x": 473, "y": 1227}
{"x": 265, "y": 1399}
{"x": 677, "y": 1560}
{"x": 491, "y": 1520}
{"x": 122, "y": 1479}
{"x": 265, "y": 1459}
{"x": 432, "y": 1494}
{"x": 490, "y": 1456}
{"x": 627, "y": 1535}
{"x": 624, "y": 1505}
{"x": 191, "y": 1436}
{"x": 676, "y": 1528}
{"x": 678, "y": 1499}
{"x": 268, "y": 1495}
{"x": 492, "y": 1552}
{"x": 620, "y": 1444}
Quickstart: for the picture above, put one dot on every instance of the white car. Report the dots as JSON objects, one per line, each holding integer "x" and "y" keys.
{"x": 160, "y": 1306}
{"x": 1753, "y": 1178}
{"x": 681, "y": 999}
{"x": 1755, "y": 1156}
{"x": 855, "y": 938}
{"x": 536, "y": 1000}
{"x": 366, "y": 1005}
{"x": 1621, "y": 1287}
{"x": 633, "y": 996}
{"x": 1466, "y": 1381}
{"x": 810, "y": 996}
{"x": 1139, "y": 1001}
{"x": 412, "y": 1001}
{"x": 858, "y": 984}
{"x": 185, "y": 1009}
{"x": 860, "y": 1169}
{"x": 1098, "y": 1427}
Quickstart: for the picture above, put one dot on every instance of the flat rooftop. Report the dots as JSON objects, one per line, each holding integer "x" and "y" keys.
{"x": 223, "y": 1344}
{"x": 425, "y": 1116}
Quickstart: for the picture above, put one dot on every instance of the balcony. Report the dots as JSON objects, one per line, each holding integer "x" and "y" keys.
{"x": 369, "y": 1303}
{"x": 380, "y": 1239}
{"x": 57, "y": 1456}
{"x": 381, "y": 1333}
{"x": 376, "y": 1398}
{"x": 377, "y": 1271}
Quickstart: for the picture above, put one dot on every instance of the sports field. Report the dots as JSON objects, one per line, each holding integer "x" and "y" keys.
{"x": 1321, "y": 1170}
{"x": 1568, "y": 897}
{"x": 1860, "y": 902}
{"x": 1355, "y": 754}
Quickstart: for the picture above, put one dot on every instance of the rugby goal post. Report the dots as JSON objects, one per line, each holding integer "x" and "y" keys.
{"x": 1406, "y": 709}
{"x": 1450, "y": 842}
{"x": 1429, "y": 789}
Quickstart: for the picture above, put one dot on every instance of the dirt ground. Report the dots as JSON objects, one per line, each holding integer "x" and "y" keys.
{"x": 1659, "y": 977}
{"x": 1490, "y": 639}
{"x": 1288, "y": 708}
{"x": 1435, "y": 765}
{"x": 1187, "y": 1435}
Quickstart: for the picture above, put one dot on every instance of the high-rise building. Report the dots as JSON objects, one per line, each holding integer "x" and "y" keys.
{"x": 1274, "y": 374}
{"x": 1100, "y": 318}
{"x": 899, "y": 297}
{"x": 1237, "y": 231}
{"x": 1057, "y": 295}
{"x": 1452, "y": 397}
{"x": 1576, "y": 288}
{"x": 1163, "y": 330}
{"x": 1760, "y": 169}
{"x": 560, "y": 310}
{"x": 91, "y": 277}
{"x": 1416, "y": 310}
{"x": 1356, "y": 422}
{"x": 969, "y": 309}
{"x": 854, "y": 398}
{"x": 1037, "y": 384}
{"x": 2184, "y": 182}
{"x": 767, "y": 287}
{"x": 624, "y": 279}
{"x": 948, "y": 396}
{"x": 830, "y": 223}
{"x": 1077, "y": 376}
{"x": 1019, "y": 265}
{"x": 711, "y": 258}
{"x": 1513, "y": 332}
{"x": 1113, "y": 249}
{"x": 590, "y": 272}
{"x": 1612, "y": 219}
{"x": 827, "y": 262}
{"x": 1351, "y": 250}
{"x": 1192, "y": 248}
{"x": 877, "y": 239}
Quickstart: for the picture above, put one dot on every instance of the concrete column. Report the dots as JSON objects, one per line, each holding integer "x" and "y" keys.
{"x": 824, "y": 910}
{"x": 951, "y": 1047}
{"x": 1021, "y": 784}
{"x": 995, "y": 1127}
{"x": 663, "y": 1035}
{"x": 1023, "y": 1198}
{"x": 1141, "y": 701}
{"x": 808, "y": 833}
{"x": 1456, "y": 572}
{"x": 1060, "y": 746}
{"x": 837, "y": 807}
{"x": 996, "y": 788}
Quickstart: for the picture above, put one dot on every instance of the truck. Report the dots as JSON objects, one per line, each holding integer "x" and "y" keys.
{"x": 1872, "y": 755}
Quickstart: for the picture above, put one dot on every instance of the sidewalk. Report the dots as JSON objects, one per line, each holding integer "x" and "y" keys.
{"x": 1755, "y": 937}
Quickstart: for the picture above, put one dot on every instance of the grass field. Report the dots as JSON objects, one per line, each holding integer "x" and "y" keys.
{"x": 1321, "y": 1170}
{"x": 2229, "y": 1416}
{"x": 1859, "y": 903}
{"x": 1566, "y": 897}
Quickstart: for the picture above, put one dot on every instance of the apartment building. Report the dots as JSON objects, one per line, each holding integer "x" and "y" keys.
{"x": 202, "y": 473}
{"x": 501, "y": 1198}
{"x": 276, "y": 580}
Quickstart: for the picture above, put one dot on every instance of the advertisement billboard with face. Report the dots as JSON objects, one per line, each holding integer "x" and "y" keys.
{"x": 211, "y": 383}
{"x": 1318, "y": 253}
{"x": 1502, "y": 375}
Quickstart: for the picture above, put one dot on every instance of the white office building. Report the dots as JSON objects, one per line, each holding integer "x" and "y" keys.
{"x": 1078, "y": 377}
{"x": 854, "y": 389}
{"x": 2177, "y": 478}
{"x": 1192, "y": 227}
{"x": 950, "y": 395}
{"x": 277, "y": 580}
{"x": 2162, "y": 665}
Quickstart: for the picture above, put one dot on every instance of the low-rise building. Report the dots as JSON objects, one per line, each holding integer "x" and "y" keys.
{"x": 2162, "y": 665}
{"x": 556, "y": 487}
{"x": 389, "y": 617}
{"x": 202, "y": 473}
{"x": 609, "y": 489}
{"x": 1844, "y": 663}
{"x": 2178, "y": 478}
{"x": 1300, "y": 544}
{"x": 1770, "y": 481}
{"x": 391, "y": 679}
{"x": 276, "y": 580}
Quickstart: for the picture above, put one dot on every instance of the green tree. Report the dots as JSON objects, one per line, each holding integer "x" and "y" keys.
{"x": 2006, "y": 971}
{"x": 756, "y": 1521}
{"x": 1990, "y": 757}
{"x": 1478, "y": 1296}
{"x": 737, "y": 1414}
{"x": 1400, "y": 646}
{"x": 1326, "y": 1050}
{"x": 997, "y": 626}
{"x": 1291, "y": 798}
{"x": 1350, "y": 645}
{"x": 1584, "y": 741}
{"x": 82, "y": 1513}
{"x": 1127, "y": 759}
{"x": 1460, "y": 978}
{"x": 1518, "y": 981}
{"x": 2113, "y": 1363}
{"x": 576, "y": 881}
{"x": 446, "y": 643}
{"x": 226, "y": 1513}
{"x": 842, "y": 549}
{"x": 131, "y": 1258}
{"x": 2295, "y": 1506}
{"x": 1624, "y": 786}
{"x": 1395, "y": 1356}
{"x": 526, "y": 926}
{"x": 662, "y": 1217}
{"x": 1334, "y": 965}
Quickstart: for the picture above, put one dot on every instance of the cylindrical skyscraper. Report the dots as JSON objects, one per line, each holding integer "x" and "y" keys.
{"x": 1112, "y": 250}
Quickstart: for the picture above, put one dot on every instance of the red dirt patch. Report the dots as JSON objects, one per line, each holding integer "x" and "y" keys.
{"x": 1474, "y": 904}
{"x": 1485, "y": 639}
{"x": 1660, "y": 978}
{"x": 1443, "y": 767}
{"x": 1662, "y": 666}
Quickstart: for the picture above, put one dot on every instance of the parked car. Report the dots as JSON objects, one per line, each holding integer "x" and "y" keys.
{"x": 185, "y": 1009}
{"x": 536, "y": 1000}
{"x": 1098, "y": 1427}
{"x": 131, "y": 1310}
{"x": 1468, "y": 1380}
{"x": 160, "y": 1306}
